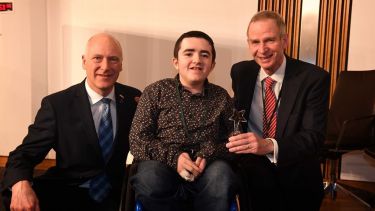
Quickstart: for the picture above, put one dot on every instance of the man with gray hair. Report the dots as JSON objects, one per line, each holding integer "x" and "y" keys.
{"x": 88, "y": 126}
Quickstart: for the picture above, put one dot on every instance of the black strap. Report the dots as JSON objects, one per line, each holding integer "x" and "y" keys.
{"x": 182, "y": 116}
{"x": 181, "y": 112}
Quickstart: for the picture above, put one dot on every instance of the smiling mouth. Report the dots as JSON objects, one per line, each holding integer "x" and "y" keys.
{"x": 105, "y": 75}
{"x": 265, "y": 58}
{"x": 196, "y": 68}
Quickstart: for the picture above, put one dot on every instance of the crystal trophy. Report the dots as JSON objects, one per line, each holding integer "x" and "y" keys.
{"x": 237, "y": 118}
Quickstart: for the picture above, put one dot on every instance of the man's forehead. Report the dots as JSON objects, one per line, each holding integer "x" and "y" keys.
{"x": 259, "y": 24}
{"x": 262, "y": 36}
{"x": 103, "y": 41}
{"x": 257, "y": 32}
{"x": 103, "y": 48}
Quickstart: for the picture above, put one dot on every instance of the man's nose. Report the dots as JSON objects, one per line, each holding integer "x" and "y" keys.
{"x": 196, "y": 58}
{"x": 104, "y": 64}
{"x": 262, "y": 47}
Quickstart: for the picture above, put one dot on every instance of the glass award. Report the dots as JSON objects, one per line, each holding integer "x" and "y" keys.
{"x": 237, "y": 117}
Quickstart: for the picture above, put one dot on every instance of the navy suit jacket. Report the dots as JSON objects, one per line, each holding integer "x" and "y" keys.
{"x": 301, "y": 119}
{"x": 64, "y": 122}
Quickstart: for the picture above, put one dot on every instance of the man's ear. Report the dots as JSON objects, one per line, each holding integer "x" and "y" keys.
{"x": 213, "y": 65}
{"x": 285, "y": 40}
{"x": 83, "y": 61}
{"x": 175, "y": 63}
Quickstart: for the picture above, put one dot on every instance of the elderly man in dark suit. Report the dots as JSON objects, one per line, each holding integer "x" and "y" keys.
{"x": 88, "y": 126}
{"x": 286, "y": 104}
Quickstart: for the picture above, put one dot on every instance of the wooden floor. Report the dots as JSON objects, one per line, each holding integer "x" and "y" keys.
{"x": 343, "y": 202}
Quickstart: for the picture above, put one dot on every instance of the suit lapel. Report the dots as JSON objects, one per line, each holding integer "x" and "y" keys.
{"x": 247, "y": 88}
{"x": 123, "y": 116}
{"x": 120, "y": 102}
{"x": 290, "y": 88}
{"x": 83, "y": 108}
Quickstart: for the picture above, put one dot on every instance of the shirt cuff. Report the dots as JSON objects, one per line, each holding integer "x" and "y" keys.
{"x": 273, "y": 156}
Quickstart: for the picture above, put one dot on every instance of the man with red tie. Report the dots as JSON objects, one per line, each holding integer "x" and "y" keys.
{"x": 286, "y": 104}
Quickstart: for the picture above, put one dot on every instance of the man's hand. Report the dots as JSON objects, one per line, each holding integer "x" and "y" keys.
{"x": 184, "y": 163}
{"x": 249, "y": 143}
{"x": 23, "y": 197}
{"x": 201, "y": 163}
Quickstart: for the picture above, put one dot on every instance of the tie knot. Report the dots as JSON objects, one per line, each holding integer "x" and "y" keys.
{"x": 106, "y": 100}
{"x": 269, "y": 82}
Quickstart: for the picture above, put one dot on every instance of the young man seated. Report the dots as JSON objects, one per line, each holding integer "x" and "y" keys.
{"x": 179, "y": 133}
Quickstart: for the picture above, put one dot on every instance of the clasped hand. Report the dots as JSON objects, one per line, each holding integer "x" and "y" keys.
{"x": 189, "y": 169}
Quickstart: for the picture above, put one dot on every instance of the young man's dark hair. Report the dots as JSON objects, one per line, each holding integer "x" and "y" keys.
{"x": 197, "y": 34}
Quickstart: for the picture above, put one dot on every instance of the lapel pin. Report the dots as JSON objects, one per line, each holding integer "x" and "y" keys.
{"x": 122, "y": 98}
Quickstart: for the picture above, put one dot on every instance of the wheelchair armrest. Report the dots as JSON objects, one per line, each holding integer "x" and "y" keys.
{"x": 127, "y": 193}
{"x": 348, "y": 122}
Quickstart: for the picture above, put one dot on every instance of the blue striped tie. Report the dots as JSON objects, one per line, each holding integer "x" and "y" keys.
{"x": 99, "y": 185}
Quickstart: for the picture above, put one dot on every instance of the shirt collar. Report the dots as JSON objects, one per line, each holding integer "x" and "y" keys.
{"x": 181, "y": 87}
{"x": 278, "y": 75}
{"x": 95, "y": 97}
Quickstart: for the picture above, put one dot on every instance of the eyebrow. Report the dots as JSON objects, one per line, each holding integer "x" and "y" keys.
{"x": 192, "y": 50}
{"x": 101, "y": 55}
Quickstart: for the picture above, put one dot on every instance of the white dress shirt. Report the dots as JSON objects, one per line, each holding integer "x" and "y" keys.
{"x": 255, "y": 123}
{"x": 97, "y": 107}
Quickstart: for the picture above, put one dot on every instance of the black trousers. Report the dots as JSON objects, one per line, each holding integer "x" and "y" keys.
{"x": 57, "y": 197}
{"x": 261, "y": 189}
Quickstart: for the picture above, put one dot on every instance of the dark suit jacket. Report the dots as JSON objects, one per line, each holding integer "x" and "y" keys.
{"x": 301, "y": 119}
{"x": 64, "y": 122}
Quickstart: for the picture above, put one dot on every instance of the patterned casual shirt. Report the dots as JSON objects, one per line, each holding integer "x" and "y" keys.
{"x": 158, "y": 133}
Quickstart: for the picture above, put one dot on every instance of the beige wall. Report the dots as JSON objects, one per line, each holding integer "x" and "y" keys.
{"x": 23, "y": 69}
{"x": 41, "y": 43}
{"x": 362, "y": 35}
{"x": 147, "y": 30}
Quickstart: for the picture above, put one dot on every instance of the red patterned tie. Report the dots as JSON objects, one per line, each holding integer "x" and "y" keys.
{"x": 269, "y": 114}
